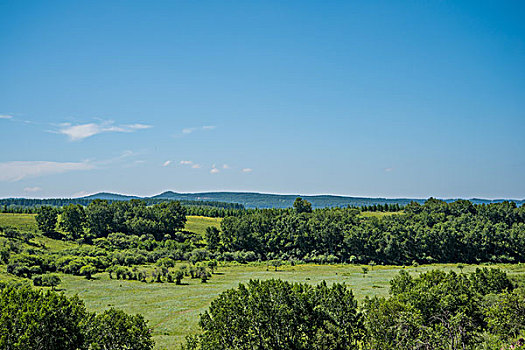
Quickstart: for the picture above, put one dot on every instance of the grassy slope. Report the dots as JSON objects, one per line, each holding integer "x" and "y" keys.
{"x": 198, "y": 224}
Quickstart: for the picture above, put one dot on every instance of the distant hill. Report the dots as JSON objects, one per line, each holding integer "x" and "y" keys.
{"x": 236, "y": 200}
{"x": 110, "y": 196}
{"x": 265, "y": 200}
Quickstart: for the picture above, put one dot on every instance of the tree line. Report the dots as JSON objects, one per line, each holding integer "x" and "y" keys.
{"x": 101, "y": 218}
{"x": 204, "y": 208}
{"x": 430, "y": 233}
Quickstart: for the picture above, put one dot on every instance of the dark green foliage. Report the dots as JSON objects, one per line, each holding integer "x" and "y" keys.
{"x": 31, "y": 319}
{"x": 179, "y": 275}
{"x": 275, "y": 314}
{"x": 443, "y": 310}
{"x": 46, "y": 219}
{"x": 73, "y": 220}
{"x": 505, "y": 315}
{"x": 135, "y": 217}
{"x": 193, "y": 207}
{"x": 302, "y": 206}
{"x": 88, "y": 271}
{"x": 434, "y": 232}
{"x": 114, "y": 329}
{"x": 213, "y": 238}
{"x": 47, "y": 280}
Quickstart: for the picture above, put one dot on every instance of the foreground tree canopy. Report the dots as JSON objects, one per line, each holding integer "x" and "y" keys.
{"x": 436, "y": 310}
{"x": 32, "y": 319}
{"x": 276, "y": 314}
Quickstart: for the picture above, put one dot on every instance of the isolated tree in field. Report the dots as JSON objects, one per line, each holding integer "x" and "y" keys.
{"x": 50, "y": 280}
{"x": 47, "y": 219}
{"x": 212, "y": 264}
{"x": 72, "y": 220}
{"x": 276, "y": 263}
{"x": 179, "y": 275}
{"x": 88, "y": 271}
{"x": 302, "y": 206}
{"x": 213, "y": 239}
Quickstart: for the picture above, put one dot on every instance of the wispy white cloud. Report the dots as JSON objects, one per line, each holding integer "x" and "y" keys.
{"x": 32, "y": 189}
{"x": 166, "y": 163}
{"x": 81, "y": 194}
{"x": 6, "y": 116}
{"x": 187, "y": 131}
{"x": 18, "y": 170}
{"x": 81, "y": 131}
{"x": 190, "y": 163}
{"x": 225, "y": 166}
{"x": 389, "y": 169}
{"x": 214, "y": 171}
{"x": 247, "y": 170}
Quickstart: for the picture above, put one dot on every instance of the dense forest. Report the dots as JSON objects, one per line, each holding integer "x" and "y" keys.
{"x": 434, "y": 232}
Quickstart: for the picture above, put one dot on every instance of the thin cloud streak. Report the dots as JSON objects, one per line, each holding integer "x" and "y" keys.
{"x": 6, "y": 116}
{"x": 32, "y": 189}
{"x": 81, "y": 131}
{"x": 18, "y": 170}
{"x": 187, "y": 131}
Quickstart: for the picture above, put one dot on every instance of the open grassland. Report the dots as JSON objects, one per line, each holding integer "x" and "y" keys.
{"x": 22, "y": 222}
{"x": 173, "y": 311}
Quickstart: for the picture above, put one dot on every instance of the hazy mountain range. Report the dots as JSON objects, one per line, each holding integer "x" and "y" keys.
{"x": 266, "y": 200}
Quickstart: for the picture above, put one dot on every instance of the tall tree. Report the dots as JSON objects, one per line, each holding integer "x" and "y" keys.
{"x": 72, "y": 220}
{"x": 47, "y": 219}
{"x": 302, "y": 206}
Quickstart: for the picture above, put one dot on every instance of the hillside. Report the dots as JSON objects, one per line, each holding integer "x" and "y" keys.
{"x": 243, "y": 199}
{"x": 267, "y": 200}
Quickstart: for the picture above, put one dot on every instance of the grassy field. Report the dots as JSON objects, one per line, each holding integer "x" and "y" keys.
{"x": 198, "y": 224}
{"x": 173, "y": 311}
{"x": 23, "y": 222}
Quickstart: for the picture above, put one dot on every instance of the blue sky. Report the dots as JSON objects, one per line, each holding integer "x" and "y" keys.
{"x": 362, "y": 98}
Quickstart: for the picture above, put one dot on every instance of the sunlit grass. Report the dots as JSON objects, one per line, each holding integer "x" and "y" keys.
{"x": 198, "y": 224}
